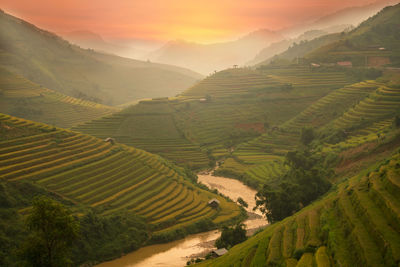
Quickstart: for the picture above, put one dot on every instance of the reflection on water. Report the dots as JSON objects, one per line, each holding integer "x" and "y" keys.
{"x": 177, "y": 253}
{"x": 173, "y": 254}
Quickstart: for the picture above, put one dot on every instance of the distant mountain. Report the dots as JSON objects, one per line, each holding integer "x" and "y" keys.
{"x": 318, "y": 48}
{"x": 88, "y": 39}
{"x": 351, "y": 15}
{"x": 300, "y": 49}
{"x": 279, "y": 47}
{"x": 206, "y": 58}
{"x": 48, "y": 60}
{"x": 375, "y": 42}
{"x": 339, "y": 21}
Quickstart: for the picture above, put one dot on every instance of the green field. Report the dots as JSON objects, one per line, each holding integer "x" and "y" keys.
{"x": 107, "y": 177}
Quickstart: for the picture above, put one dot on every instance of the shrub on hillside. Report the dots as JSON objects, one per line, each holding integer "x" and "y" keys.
{"x": 305, "y": 181}
{"x": 231, "y": 236}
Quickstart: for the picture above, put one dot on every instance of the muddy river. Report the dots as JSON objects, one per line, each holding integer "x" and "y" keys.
{"x": 177, "y": 253}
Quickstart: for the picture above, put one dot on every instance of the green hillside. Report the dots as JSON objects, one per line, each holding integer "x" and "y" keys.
{"x": 375, "y": 42}
{"x": 209, "y": 119}
{"x": 355, "y": 224}
{"x": 52, "y": 62}
{"x": 93, "y": 175}
{"x": 150, "y": 125}
{"x": 23, "y": 98}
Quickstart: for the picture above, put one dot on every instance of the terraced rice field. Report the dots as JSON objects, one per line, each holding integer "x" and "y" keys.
{"x": 224, "y": 110}
{"x": 357, "y": 225}
{"x": 105, "y": 176}
{"x": 330, "y": 106}
{"x": 229, "y": 83}
{"x": 380, "y": 104}
{"x": 328, "y": 110}
{"x": 300, "y": 76}
{"x": 20, "y": 97}
{"x": 149, "y": 126}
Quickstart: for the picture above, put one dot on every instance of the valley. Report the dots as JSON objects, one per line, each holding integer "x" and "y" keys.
{"x": 156, "y": 165}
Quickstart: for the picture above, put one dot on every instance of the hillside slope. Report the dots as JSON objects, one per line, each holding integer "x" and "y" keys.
{"x": 23, "y": 98}
{"x": 216, "y": 114}
{"x": 50, "y": 61}
{"x": 105, "y": 177}
{"x": 355, "y": 224}
{"x": 374, "y": 43}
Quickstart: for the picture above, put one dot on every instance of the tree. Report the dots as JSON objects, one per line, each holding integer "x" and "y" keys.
{"x": 231, "y": 236}
{"x": 307, "y": 135}
{"x": 52, "y": 232}
{"x": 305, "y": 181}
{"x": 397, "y": 121}
{"x": 278, "y": 203}
{"x": 242, "y": 202}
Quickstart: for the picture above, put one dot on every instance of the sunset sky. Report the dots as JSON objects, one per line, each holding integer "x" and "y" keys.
{"x": 195, "y": 20}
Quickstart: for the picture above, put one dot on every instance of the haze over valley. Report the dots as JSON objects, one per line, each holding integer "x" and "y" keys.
{"x": 173, "y": 133}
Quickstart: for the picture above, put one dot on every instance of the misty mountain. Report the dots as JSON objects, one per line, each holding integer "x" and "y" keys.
{"x": 88, "y": 39}
{"x": 279, "y": 47}
{"x": 49, "y": 60}
{"x": 206, "y": 58}
{"x": 342, "y": 20}
{"x": 351, "y": 15}
{"x": 375, "y": 42}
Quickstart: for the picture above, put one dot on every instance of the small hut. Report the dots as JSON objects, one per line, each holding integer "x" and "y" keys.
{"x": 109, "y": 140}
{"x": 347, "y": 64}
{"x": 214, "y": 203}
{"x": 218, "y": 252}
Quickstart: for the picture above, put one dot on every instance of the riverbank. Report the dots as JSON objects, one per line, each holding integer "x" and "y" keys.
{"x": 177, "y": 253}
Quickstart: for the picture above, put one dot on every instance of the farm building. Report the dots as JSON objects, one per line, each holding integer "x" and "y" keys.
{"x": 218, "y": 252}
{"x": 214, "y": 203}
{"x": 109, "y": 140}
{"x": 347, "y": 64}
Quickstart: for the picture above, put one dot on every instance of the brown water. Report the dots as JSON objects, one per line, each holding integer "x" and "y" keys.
{"x": 177, "y": 253}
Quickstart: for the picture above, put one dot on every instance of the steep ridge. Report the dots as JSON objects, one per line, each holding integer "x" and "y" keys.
{"x": 23, "y": 98}
{"x": 105, "y": 176}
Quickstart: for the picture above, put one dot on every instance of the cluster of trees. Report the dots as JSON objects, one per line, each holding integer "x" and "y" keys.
{"x": 305, "y": 181}
{"x": 52, "y": 236}
{"x": 231, "y": 236}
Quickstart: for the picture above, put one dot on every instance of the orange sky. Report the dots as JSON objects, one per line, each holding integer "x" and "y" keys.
{"x": 195, "y": 20}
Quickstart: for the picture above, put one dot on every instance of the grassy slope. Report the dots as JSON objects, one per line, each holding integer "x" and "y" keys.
{"x": 22, "y": 98}
{"x": 46, "y": 59}
{"x": 91, "y": 173}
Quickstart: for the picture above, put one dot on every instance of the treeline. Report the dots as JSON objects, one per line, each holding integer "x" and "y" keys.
{"x": 99, "y": 237}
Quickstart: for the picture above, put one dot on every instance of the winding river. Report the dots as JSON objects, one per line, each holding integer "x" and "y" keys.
{"x": 177, "y": 253}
